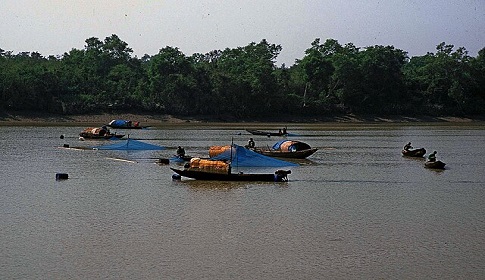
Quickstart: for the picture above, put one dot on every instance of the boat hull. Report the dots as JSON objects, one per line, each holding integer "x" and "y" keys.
{"x": 202, "y": 175}
{"x": 435, "y": 165}
{"x": 287, "y": 154}
{"x": 414, "y": 153}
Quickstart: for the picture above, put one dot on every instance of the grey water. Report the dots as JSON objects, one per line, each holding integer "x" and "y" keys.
{"x": 356, "y": 209}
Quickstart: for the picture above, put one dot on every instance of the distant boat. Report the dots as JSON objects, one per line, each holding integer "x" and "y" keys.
{"x": 266, "y": 133}
{"x": 98, "y": 133}
{"x": 414, "y": 153}
{"x": 288, "y": 149}
{"x": 125, "y": 124}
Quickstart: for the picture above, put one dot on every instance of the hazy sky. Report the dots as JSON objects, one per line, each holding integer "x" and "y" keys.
{"x": 52, "y": 27}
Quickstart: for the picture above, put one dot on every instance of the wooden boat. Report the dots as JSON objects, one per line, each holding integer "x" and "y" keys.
{"x": 435, "y": 164}
{"x": 98, "y": 133}
{"x": 217, "y": 170}
{"x": 265, "y": 133}
{"x": 414, "y": 153}
{"x": 125, "y": 124}
{"x": 288, "y": 149}
{"x": 279, "y": 176}
{"x": 287, "y": 154}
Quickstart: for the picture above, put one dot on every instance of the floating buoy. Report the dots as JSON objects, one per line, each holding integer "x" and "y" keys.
{"x": 61, "y": 176}
{"x": 62, "y": 136}
{"x": 176, "y": 177}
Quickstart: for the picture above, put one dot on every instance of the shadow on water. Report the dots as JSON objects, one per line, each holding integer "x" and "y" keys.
{"x": 224, "y": 185}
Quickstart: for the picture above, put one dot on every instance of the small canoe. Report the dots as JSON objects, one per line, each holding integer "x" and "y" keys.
{"x": 265, "y": 133}
{"x": 181, "y": 158}
{"x": 278, "y": 176}
{"x": 414, "y": 153}
{"x": 435, "y": 165}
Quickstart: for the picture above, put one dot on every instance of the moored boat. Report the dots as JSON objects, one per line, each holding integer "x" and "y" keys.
{"x": 279, "y": 176}
{"x": 435, "y": 164}
{"x": 99, "y": 133}
{"x": 288, "y": 149}
{"x": 414, "y": 153}
{"x": 125, "y": 124}
{"x": 216, "y": 170}
{"x": 266, "y": 133}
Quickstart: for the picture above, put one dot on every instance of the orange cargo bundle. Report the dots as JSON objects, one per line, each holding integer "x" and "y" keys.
{"x": 215, "y": 166}
{"x": 217, "y": 150}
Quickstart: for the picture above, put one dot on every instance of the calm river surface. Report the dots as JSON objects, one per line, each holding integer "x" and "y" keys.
{"x": 354, "y": 210}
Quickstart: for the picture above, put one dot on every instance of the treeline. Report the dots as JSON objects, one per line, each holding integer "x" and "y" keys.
{"x": 245, "y": 82}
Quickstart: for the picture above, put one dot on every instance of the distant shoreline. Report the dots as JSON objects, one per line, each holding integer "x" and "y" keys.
{"x": 147, "y": 119}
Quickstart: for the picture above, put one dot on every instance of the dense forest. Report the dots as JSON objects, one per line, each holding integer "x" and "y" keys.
{"x": 245, "y": 82}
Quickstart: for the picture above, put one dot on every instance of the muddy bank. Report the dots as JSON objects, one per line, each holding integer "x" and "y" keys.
{"x": 33, "y": 118}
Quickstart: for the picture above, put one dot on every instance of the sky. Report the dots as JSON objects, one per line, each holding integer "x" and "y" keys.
{"x": 53, "y": 27}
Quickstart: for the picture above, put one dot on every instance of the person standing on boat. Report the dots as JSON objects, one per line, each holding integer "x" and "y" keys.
{"x": 408, "y": 146}
{"x": 250, "y": 144}
{"x": 432, "y": 157}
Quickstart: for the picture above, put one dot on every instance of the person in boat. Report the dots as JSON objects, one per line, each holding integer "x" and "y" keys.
{"x": 284, "y": 130}
{"x": 250, "y": 144}
{"x": 180, "y": 151}
{"x": 408, "y": 146}
{"x": 432, "y": 157}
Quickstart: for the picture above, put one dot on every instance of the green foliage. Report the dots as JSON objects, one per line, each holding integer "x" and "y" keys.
{"x": 244, "y": 82}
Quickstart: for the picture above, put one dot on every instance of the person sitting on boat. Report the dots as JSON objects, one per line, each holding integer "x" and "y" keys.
{"x": 408, "y": 146}
{"x": 180, "y": 151}
{"x": 284, "y": 130}
{"x": 250, "y": 144}
{"x": 432, "y": 157}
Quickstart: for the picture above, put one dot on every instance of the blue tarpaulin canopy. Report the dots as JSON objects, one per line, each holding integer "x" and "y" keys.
{"x": 243, "y": 157}
{"x": 130, "y": 145}
{"x": 290, "y": 145}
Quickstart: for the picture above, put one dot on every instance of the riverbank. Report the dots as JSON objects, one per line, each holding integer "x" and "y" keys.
{"x": 34, "y": 118}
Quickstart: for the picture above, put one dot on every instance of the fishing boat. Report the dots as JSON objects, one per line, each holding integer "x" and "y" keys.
{"x": 435, "y": 164}
{"x": 414, "y": 153}
{"x": 288, "y": 149}
{"x": 219, "y": 166}
{"x": 278, "y": 176}
{"x": 98, "y": 133}
{"x": 221, "y": 170}
{"x": 267, "y": 133}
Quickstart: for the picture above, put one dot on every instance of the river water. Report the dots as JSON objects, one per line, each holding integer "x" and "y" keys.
{"x": 356, "y": 209}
